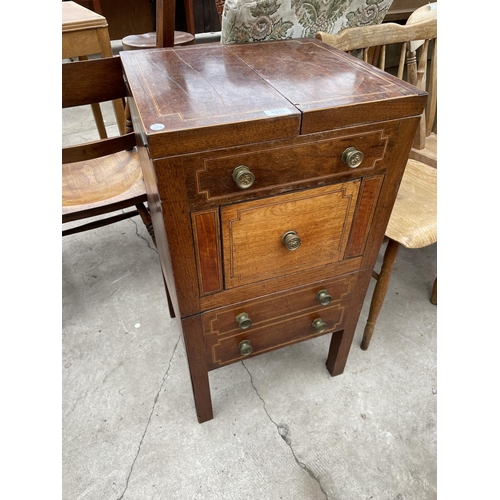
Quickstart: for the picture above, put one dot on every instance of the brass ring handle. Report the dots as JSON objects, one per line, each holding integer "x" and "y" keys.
{"x": 291, "y": 240}
{"x": 352, "y": 157}
{"x": 319, "y": 325}
{"x": 243, "y": 177}
{"x": 245, "y": 348}
{"x": 324, "y": 297}
{"x": 243, "y": 321}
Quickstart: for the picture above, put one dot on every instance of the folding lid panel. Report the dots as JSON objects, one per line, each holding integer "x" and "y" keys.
{"x": 204, "y": 97}
{"x": 201, "y": 97}
{"x": 331, "y": 88}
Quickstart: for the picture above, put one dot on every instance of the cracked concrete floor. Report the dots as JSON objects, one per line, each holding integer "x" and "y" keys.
{"x": 282, "y": 427}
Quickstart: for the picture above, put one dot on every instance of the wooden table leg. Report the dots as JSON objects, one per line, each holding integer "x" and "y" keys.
{"x": 195, "y": 350}
{"x": 340, "y": 344}
{"x": 434, "y": 295}
{"x": 333, "y": 352}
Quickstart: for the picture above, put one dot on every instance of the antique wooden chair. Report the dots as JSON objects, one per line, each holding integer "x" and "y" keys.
{"x": 425, "y": 145}
{"x": 413, "y": 221}
{"x": 102, "y": 178}
{"x": 85, "y": 33}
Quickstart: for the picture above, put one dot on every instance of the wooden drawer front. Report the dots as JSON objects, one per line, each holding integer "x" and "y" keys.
{"x": 277, "y": 320}
{"x": 289, "y": 164}
{"x": 252, "y": 232}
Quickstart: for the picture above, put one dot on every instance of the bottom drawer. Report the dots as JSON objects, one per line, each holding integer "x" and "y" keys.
{"x": 256, "y": 326}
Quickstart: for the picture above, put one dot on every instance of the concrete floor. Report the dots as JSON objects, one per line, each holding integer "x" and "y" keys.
{"x": 282, "y": 427}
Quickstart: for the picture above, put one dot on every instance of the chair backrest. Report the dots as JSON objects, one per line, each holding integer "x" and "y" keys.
{"x": 90, "y": 82}
{"x": 417, "y": 57}
{"x": 263, "y": 20}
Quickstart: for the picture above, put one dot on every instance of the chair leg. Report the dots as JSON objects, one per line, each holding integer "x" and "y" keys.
{"x": 128, "y": 118}
{"x": 434, "y": 295}
{"x": 146, "y": 219}
{"x": 378, "y": 297}
{"x": 169, "y": 300}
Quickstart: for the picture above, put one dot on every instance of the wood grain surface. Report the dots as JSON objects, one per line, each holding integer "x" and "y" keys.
{"x": 287, "y": 110}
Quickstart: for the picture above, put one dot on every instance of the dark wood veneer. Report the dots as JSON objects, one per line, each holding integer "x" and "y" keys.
{"x": 287, "y": 110}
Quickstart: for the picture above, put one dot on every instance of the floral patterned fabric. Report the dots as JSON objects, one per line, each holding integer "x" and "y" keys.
{"x": 260, "y": 20}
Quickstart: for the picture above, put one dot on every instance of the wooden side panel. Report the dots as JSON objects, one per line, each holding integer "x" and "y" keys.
{"x": 253, "y": 232}
{"x": 74, "y": 44}
{"x": 369, "y": 191}
{"x": 176, "y": 226}
{"x": 207, "y": 248}
{"x": 156, "y": 211}
{"x": 397, "y": 156}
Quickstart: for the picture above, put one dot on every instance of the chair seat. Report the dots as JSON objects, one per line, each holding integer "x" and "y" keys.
{"x": 109, "y": 180}
{"x": 413, "y": 221}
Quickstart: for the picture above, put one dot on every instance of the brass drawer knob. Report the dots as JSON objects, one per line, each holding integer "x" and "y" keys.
{"x": 352, "y": 157}
{"x": 319, "y": 325}
{"x": 243, "y": 321}
{"x": 324, "y": 297}
{"x": 291, "y": 240}
{"x": 245, "y": 348}
{"x": 243, "y": 177}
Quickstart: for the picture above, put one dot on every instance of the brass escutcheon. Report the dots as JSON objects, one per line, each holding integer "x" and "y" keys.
{"x": 245, "y": 348}
{"x": 324, "y": 297}
{"x": 243, "y": 321}
{"x": 291, "y": 240}
{"x": 243, "y": 177}
{"x": 319, "y": 325}
{"x": 352, "y": 157}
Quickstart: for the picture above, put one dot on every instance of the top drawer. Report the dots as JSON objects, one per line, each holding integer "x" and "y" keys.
{"x": 289, "y": 164}
{"x": 281, "y": 166}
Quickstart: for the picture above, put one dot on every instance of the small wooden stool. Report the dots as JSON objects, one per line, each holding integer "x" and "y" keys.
{"x": 148, "y": 40}
{"x": 164, "y": 13}
{"x": 85, "y": 33}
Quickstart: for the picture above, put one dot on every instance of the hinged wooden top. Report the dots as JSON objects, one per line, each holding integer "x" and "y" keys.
{"x": 76, "y": 18}
{"x": 212, "y": 96}
{"x": 332, "y": 89}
